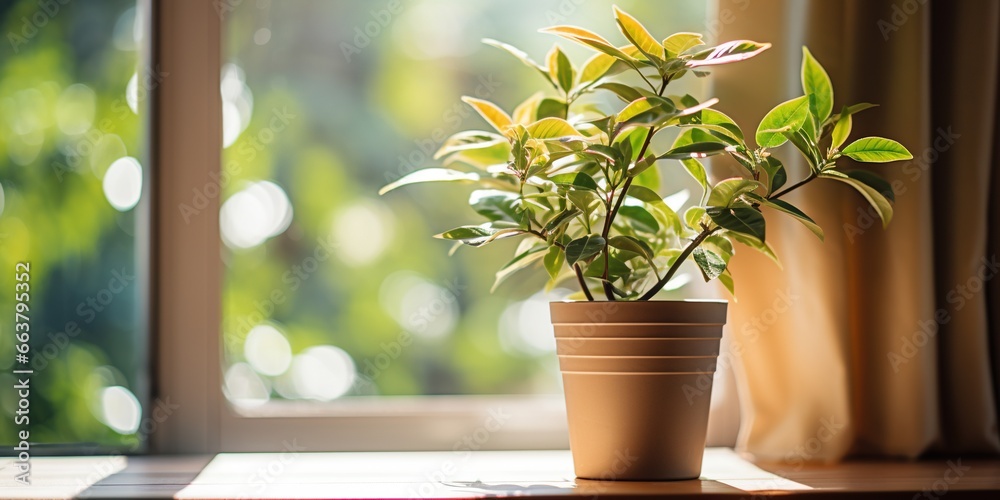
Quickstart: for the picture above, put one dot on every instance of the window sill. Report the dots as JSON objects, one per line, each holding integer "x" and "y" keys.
{"x": 293, "y": 474}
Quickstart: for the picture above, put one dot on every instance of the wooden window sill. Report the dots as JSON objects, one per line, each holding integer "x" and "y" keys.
{"x": 539, "y": 474}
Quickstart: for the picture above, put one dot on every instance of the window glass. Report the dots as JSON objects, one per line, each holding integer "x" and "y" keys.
{"x": 332, "y": 291}
{"x": 73, "y": 163}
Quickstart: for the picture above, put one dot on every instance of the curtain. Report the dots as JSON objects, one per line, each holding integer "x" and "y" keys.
{"x": 877, "y": 341}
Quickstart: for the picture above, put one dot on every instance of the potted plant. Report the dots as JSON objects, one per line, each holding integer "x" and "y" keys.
{"x": 576, "y": 183}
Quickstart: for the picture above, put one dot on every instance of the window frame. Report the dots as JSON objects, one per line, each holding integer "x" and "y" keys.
{"x": 186, "y": 314}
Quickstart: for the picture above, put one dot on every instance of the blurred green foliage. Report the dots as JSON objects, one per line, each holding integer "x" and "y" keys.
{"x": 64, "y": 119}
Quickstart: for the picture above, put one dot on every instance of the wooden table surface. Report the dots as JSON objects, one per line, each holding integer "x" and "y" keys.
{"x": 479, "y": 474}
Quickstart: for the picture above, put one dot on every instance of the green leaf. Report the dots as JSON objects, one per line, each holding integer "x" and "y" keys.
{"x": 697, "y": 170}
{"x": 736, "y": 50}
{"x": 578, "y": 180}
{"x": 744, "y": 220}
{"x": 496, "y": 205}
{"x": 679, "y": 43}
{"x": 585, "y": 200}
{"x": 776, "y": 174}
{"x": 641, "y": 219}
{"x": 720, "y": 119}
{"x": 720, "y": 245}
{"x": 522, "y": 261}
{"x": 627, "y": 93}
{"x": 788, "y": 208}
{"x": 478, "y": 235}
{"x": 727, "y": 191}
{"x": 650, "y": 197}
{"x": 841, "y": 130}
{"x": 693, "y": 216}
{"x": 430, "y": 175}
{"x": 551, "y": 108}
{"x": 592, "y": 40}
{"x": 876, "y": 150}
{"x": 711, "y": 265}
{"x": 470, "y": 139}
{"x": 554, "y": 260}
{"x": 617, "y": 269}
{"x": 634, "y": 245}
{"x": 561, "y": 218}
{"x": 727, "y": 281}
{"x": 646, "y": 177}
{"x": 584, "y": 248}
{"x": 561, "y": 69}
{"x": 552, "y": 128}
{"x": 816, "y": 83}
{"x": 785, "y": 117}
{"x": 637, "y": 34}
{"x": 649, "y": 109}
{"x": 873, "y": 181}
{"x": 595, "y": 68}
{"x": 522, "y": 56}
{"x": 601, "y": 152}
{"x": 879, "y": 202}
{"x": 490, "y": 112}
{"x": 857, "y": 108}
{"x": 696, "y": 150}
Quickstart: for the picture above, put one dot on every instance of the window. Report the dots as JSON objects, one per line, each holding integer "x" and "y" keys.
{"x": 332, "y": 292}
{"x": 74, "y": 86}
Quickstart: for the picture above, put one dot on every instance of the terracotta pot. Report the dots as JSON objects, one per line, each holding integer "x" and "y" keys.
{"x": 629, "y": 425}
{"x": 578, "y": 346}
{"x": 648, "y": 364}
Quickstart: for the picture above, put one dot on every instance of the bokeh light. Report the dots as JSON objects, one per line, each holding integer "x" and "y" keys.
{"x": 419, "y": 305}
{"x": 123, "y": 183}
{"x": 267, "y": 350}
{"x": 364, "y": 218}
{"x": 254, "y": 214}
{"x": 323, "y": 373}
{"x": 75, "y": 109}
{"x": 244, "y": 387}
{"x": 120, "y": 409}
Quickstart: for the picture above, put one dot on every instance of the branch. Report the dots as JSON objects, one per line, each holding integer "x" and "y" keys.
{"x": 677, "y": 263}
{"x": 609, "y": 220}
{"x": 793, "y": 187}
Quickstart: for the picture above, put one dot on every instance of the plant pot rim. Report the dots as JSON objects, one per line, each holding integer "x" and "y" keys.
{"x": 689, "y": 301}
{"x": 636, "y": 357}
{"x": 660, "y": 312}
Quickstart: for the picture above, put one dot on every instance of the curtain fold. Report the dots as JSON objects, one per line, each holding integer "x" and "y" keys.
{"x": 878, "y": 341}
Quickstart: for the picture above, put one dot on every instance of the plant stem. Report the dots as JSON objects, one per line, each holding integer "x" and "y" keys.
{"x": 576, "y": 267}
{"x": 793, "y": 187}
{"x": 583, "y": 284}
{"x": 677, "y": 263}
{"x": 609, "y": 220}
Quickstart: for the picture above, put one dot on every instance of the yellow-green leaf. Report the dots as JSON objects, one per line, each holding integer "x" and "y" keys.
{"x": 592, "y": 40}
{"x": 841, "y": 130}
{"x": 877, "y": 201}
{"x": 490, "y": 112}
{"x": 551, "y": 128}
{"x": 877, "y": 150}
{"x": 816, "y": 82}
{"x": 727, "y": 191}
{"x": 560, "y": 69}
{"x": 678, "y": 43}
{"x": 638, "y": 35}
{"x": 785, "y": 117}
{"x": 595, "y": 68}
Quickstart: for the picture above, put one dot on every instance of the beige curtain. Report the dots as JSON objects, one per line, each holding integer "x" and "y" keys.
{"x": 876, "y": 342}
